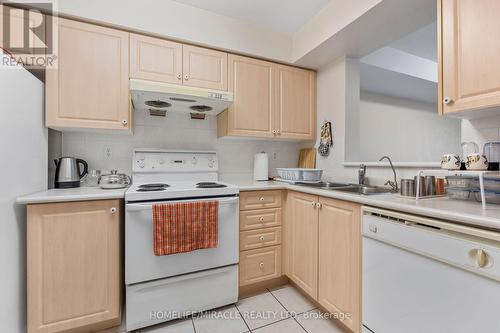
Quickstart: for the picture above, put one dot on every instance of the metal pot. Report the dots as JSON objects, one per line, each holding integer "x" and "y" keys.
{"x": 114, "y": 180}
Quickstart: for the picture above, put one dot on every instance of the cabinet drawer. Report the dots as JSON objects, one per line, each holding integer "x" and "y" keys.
{"x": 260, "y": 199}
{"x": 255, "y": 239}
{"x": 260, "y": 265}
{"x": 260, "y": 218}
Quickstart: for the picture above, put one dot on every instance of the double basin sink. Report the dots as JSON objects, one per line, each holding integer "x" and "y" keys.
{"x": 350, "y": 188}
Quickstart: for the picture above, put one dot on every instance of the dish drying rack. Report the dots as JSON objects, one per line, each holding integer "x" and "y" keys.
{"x": 444, "y": 173}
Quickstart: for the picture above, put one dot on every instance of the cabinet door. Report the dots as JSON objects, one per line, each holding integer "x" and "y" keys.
{"x": 296, "y": 110}
{"x": 74, "y": 276}
{"x": 253, "y": 85}
{"x": 339, "y": 259}
{"x": 89, "y": 87}
{"x": 204, "y": 68}
{"x": 470, "y": 49}
{"x": 155, "y": 59}
{"x": 303, "y": 242}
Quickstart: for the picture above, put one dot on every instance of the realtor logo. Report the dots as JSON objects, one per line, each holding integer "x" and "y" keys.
{"x": 27, "y": 33}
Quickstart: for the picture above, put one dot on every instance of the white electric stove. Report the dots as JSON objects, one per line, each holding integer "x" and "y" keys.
{"x": 162, "y": 288}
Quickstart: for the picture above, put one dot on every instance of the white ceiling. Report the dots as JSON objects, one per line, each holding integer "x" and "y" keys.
{"x": 283, "y": 16}
{"x": 422, "y": 43}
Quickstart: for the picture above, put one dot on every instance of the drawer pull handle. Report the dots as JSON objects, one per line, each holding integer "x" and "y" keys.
{"x": 261, "y": 238}
{"x": 261, "y": 219}
{"x": 261, "y": 198}
{"x": 261, "y": 265}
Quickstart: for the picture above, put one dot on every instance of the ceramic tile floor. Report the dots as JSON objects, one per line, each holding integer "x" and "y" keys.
{"x": 281, "y": 310}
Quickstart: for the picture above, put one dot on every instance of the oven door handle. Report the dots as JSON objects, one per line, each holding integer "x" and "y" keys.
{"x": 135, "y": 207}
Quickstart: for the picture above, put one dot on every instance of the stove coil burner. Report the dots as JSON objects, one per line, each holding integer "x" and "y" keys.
{"x": 152, "y": 187}
{"x": 210, "y": 185}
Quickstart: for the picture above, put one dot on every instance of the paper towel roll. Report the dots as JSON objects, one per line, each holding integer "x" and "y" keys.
{"x": 261, "y": 166}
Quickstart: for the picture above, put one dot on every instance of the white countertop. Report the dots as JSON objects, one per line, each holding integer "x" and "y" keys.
{"x": 467, "y": 212}
{"x": 71, "y": 194}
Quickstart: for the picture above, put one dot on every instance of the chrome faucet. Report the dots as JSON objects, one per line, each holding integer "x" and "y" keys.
{"x": 362, "y": 174}
{"x": 393, "y": 184}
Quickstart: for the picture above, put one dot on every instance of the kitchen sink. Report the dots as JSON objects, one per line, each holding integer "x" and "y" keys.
{"x": 345, "y": 187}
{"x": 364, "y": 189}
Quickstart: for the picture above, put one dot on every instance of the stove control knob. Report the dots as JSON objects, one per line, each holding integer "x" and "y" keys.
{"x": 210, "y": 164}
{"x": 161, "y": 161}
{"x": 141, "y": 163}
{"x": 194, "y": 161}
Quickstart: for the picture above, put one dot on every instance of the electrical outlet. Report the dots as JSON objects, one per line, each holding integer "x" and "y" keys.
{"x": 108, "y": 152}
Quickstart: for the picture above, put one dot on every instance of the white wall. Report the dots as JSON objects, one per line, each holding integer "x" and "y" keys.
{"x": 481, "y": 130}
{"x": 186, "y": 23}
{"x": 23, "y": 147}
{"x": 177, "y": 131}
{"x": 334, "y": 97}
{"x": 407, "y": 131}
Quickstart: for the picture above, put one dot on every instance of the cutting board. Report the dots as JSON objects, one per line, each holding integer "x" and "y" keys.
{"x": 307, "y": 158}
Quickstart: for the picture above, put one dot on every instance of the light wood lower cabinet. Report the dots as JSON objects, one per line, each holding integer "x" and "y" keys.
{"x": 260, "y": 237}
{"x": 340, "y": 259}
{"x": 322, "y": 245}
{"x": 74, "y": 278}
{"x": 302, "y": 220}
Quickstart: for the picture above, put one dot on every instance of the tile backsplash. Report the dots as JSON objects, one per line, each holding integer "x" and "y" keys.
{"x": 106, "y": 151}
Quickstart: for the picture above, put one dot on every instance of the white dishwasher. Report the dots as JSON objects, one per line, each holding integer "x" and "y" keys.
{"x": 424, "y": 275}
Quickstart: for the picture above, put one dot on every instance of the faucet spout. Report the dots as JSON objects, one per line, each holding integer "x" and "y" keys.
{"x": 393, "y": 184}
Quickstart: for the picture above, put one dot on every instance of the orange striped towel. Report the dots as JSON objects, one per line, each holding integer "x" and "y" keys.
{"x": 185, "y": 226}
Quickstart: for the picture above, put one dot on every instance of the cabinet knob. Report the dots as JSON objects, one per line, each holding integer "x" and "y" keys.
{"x": 124, "y": 122}
{"x": 261, "y": 265}
{"x": 313, "y": 204}
{"x": 278, "y": 131}
{"x": 274, "y": 131}
{"x": 112, "y": 210}
{"x": 186, "y": 77}
{"x": 261, "y": 238}
{"x": 447, "y": 100}
{"x": 318, "y": 205}
{"x": 261, "y": 219}
{"x": 261, "y": 198}
{"x": 179, "y": 76}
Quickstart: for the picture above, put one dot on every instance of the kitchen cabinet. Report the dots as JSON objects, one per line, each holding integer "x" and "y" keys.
{"x": 270, "y": 101}
{"x": 469, "y": 63}
{"x": 74, "y": 278}
{"x": 88, "y": 88}
{"x": 252, "y": 83}
{"x": 161, "y": 60}
{"x": 340, "y": 259}
{"x": 322, "y": 253}
{"x": 296, "y": 111}
{"x": 204, "y": 68}
{"x": 155, "y": 59}
{"x": 260, "y": 237}
{"x": 302, "y": 220}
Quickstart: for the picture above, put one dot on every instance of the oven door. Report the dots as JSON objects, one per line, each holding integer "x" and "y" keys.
{"x": 141, "y": 264}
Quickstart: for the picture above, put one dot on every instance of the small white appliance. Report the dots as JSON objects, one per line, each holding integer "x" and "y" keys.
{"x": 162, "y": 288}
{"x": 158, "y": 96}
{"x": 261, "y": 166}
{"x": 425, "y": 275}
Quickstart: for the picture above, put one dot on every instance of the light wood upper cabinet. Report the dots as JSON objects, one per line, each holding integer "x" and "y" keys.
{"x": 74, "y": 275}
{"x": 252, "y": 112}
{"x": 302, "y": 247}
{"x": 89, "y": 87}
{"x": 469, "y": 55}
{"x": 340, "y": 259}
{"x": 155, "y": 59}
{"x": 204, "y": 68}
{"x": 296, "y": 111}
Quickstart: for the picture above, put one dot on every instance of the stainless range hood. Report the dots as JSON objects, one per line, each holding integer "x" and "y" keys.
{"x": 156, "y": 96}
